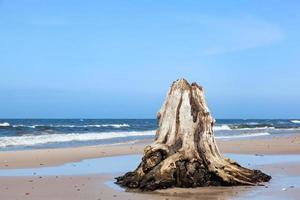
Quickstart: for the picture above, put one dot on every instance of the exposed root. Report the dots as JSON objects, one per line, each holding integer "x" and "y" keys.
{"x": 184, "y": 153}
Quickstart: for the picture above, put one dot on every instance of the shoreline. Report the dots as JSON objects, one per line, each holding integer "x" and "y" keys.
{"x": 284, "y": 183}
{"x": 59, "y": 156}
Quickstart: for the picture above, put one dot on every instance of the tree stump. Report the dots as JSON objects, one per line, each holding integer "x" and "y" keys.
{"x": 184, "y": 152}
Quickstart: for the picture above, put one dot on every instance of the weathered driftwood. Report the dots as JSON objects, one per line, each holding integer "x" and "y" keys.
{"x": 185, "y": 153}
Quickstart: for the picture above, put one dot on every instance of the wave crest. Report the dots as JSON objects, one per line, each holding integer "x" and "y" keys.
{"x": 221, "y": 128}
{"x": 4, "y": 124}
{"x": 72, "y": 126}
{"x": 31, "y": 140}
{"x": 243, "y": 135}
{"x": 295, "y": 121}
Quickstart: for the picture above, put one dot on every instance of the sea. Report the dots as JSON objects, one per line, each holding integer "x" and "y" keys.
{"x": 20, "y": 134}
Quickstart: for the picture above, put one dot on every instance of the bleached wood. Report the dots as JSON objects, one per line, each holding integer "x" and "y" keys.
{"x": 185, "y": 153}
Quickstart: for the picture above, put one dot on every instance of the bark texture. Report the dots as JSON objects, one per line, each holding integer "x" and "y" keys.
{"x": 185, "y": 153}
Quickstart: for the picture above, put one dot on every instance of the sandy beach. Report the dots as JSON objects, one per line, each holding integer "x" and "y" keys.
{"x": 100, "y": 186}
{"x": 149, "y": 100}
{"x": 58, "y": 156}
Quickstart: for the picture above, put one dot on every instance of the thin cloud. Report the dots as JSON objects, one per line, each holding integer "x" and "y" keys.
{"x": 240, "y": 33}
{"x": 228, "y": 35}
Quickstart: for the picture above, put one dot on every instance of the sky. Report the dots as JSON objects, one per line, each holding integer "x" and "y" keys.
{"x": 117, "y": 58}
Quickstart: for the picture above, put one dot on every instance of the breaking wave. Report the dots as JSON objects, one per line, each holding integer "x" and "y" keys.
{"x": 242, "y": 135}
{"x": 73, "y": 126}
{"x": 4, "y": 124}
{"x": 224, "y": 127}
{"x": 295, "y": 121}
{"x": 31, "y": 140}
{"x": 221, "y": 128}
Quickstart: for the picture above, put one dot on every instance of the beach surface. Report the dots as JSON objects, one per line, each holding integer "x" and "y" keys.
{"x": 58, "y": 156}
{"x": 284, "y": 185}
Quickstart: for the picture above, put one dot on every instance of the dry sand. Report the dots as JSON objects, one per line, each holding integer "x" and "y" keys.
{"x": 95, "y": 187}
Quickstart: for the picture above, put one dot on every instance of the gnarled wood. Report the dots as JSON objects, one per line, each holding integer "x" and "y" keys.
{"x": 185, "y": 153}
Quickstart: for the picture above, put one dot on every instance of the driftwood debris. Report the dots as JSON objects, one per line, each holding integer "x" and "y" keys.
{"x": 185, "y": 153}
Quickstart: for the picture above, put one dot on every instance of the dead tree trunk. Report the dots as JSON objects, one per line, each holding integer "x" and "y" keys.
{"x": 185, "y": 153}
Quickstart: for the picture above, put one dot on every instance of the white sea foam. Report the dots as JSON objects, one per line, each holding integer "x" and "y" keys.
{"x": 256, "y": 128}
{"x": 4, "y": 124}
{"x": 221, "y": 128}
{"x": 31, "y": 140}
{"x": 73, "y": 126}
{"x": 245, "y": 135}
{"x": 21, "y": 125}
{"x": 253, "y": 123}
{"x": 109, "y": 125}
{"x": 296, "y": 121}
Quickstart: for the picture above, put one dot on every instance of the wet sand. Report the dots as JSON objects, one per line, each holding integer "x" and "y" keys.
{"x": 94, "y": 187}
{"x": 284, "y": 185}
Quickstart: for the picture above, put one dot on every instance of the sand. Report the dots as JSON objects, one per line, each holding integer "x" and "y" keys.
{"x": 93, "y": 187}
{"x": 96, "y": 186}
{"x": 50, "y": 157}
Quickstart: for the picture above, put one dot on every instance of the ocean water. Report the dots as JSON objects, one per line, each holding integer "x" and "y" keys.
{"x": 16, "y": 134}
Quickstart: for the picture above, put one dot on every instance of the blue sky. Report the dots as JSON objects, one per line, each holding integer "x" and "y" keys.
{"x": 116, "y": 59}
